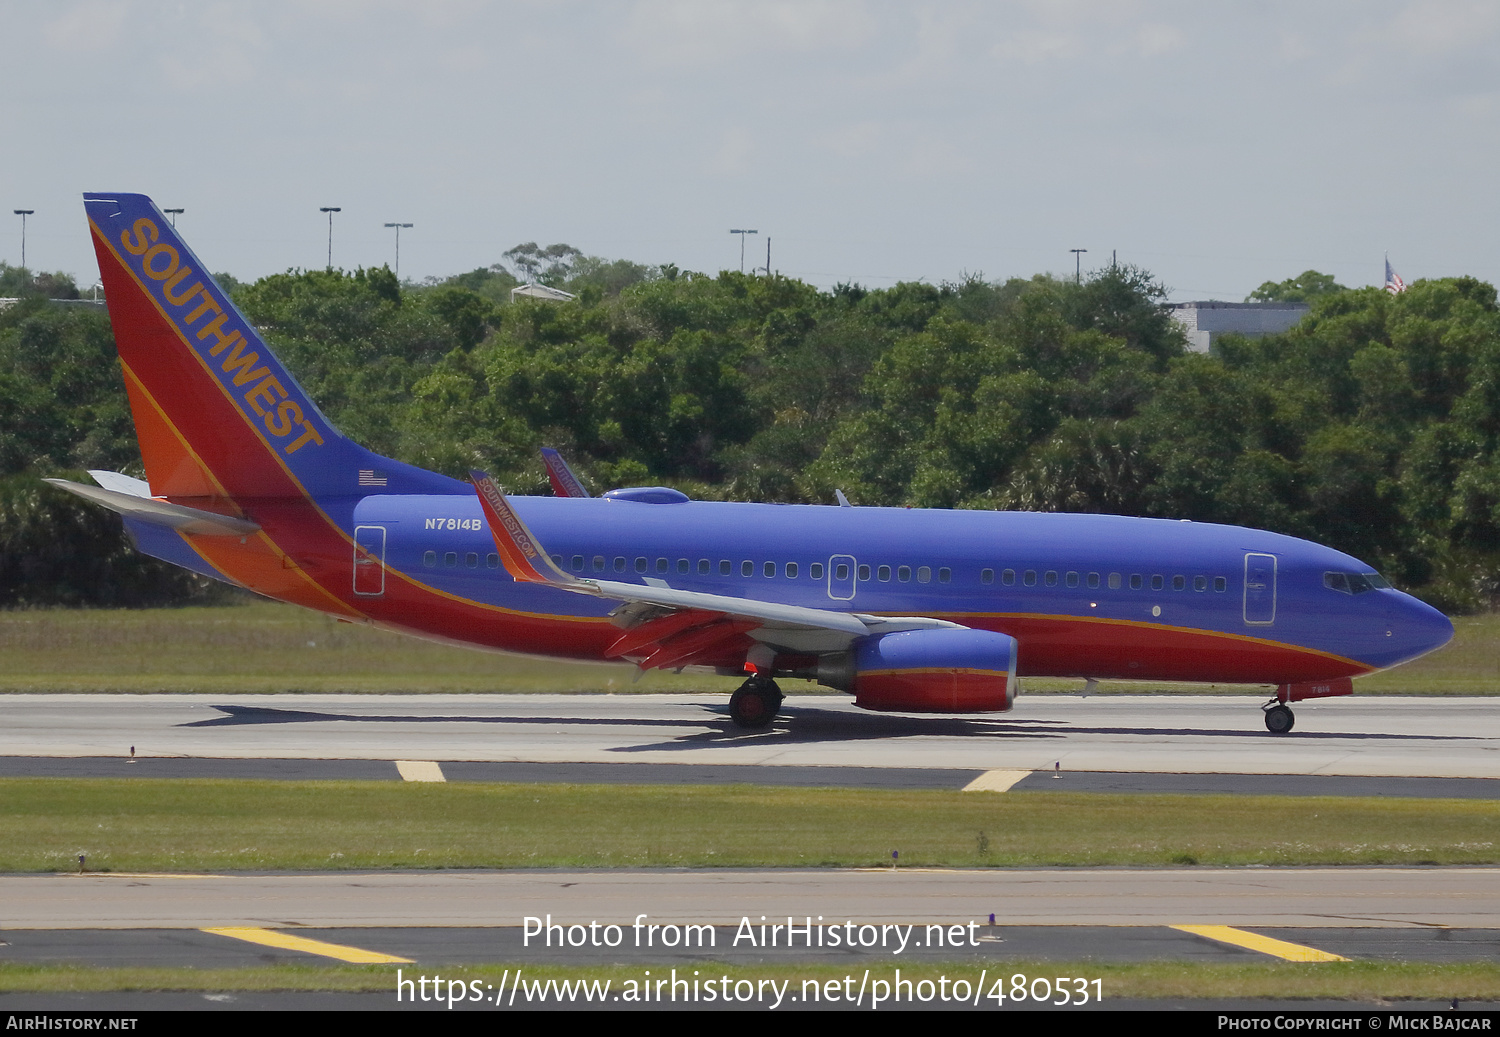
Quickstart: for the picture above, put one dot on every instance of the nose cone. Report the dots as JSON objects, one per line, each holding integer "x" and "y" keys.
{"x": 1415, "y": 628}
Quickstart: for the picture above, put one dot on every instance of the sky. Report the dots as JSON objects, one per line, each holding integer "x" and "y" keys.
{"x": 1216, "y": 145}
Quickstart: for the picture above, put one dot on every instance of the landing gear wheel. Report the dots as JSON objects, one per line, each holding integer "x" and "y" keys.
{"x": 1279, "y": 720}
{"x": 754, "y": 703}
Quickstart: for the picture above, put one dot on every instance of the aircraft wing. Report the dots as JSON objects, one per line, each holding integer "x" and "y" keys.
{"x": 667, "y": 630}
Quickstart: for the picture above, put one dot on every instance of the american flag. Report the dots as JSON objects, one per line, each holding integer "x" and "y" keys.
{"x": 1393, "y": 282}
{"x": 371, "y": 477}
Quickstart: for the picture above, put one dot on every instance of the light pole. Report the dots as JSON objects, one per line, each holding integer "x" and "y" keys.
{"x": 174, "y": 213}
{"x": 23, "y": 213}
{"x": 330, "y": 210}
{"x": 742, "y": 234}
{"x": 398, "y": 227}
{"x": 1078, "y": 264}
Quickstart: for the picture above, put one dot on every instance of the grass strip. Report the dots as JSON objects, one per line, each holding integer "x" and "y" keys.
{"x": 1392, "y": 982}
{"x": 265, "y": 648}
{"x": 209, "y": 825}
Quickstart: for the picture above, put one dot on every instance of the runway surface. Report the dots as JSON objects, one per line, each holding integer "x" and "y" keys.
{"x": 1374, "y": 746}
{"x": 1378, "y": 736}
{"x": 1273, "y": 897}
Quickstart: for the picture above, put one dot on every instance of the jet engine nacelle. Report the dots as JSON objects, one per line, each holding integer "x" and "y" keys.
{"x": 928, "y": 671}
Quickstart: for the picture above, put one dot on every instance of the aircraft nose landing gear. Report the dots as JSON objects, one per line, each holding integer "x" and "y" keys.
{"x": 754, "y": 703}
{"x": 1279, "y": 719}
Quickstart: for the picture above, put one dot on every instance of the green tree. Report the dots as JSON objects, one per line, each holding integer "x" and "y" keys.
{"x": 1305, "y": 287}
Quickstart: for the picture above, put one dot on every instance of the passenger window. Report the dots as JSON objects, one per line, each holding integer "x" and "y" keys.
{"x": 619, "y": 564}
{"x": 1178, "y": 583}
{"x": 578, "y": 563}
{"x": 769, "y": 569}
{"x": 903, "y": 574}
{"x": 1050, "y": 578}
{"x": 1220, "y": 583}
{"x": 662, "y": 565}
{"x": 864, "y": 573}
{"x": 725, "y": 567}
{"x": 450, "y": 559}
{"x": 924, "y": 574}
{"x": 945, "y": 575}
{"x": 429, "y": 559}
{"x": 1157, "y": 583}
{"x": 598, "y": 563}
{"x": 791, "y": 570}
{"x": 1029, "y": 578}
{"x": 1094, "y": 580}
{"x": 683, "y": 565}
{"x": 641, "y": 565}
{"x": 703, "y": 567}
{"x": 1136, "y": 582}
{"x": 472, "y": 560}
{"x": 884, "y": 574}
{"x": 841, "y": 572}
{"x": 815, "y": 570}
{"x": 1200, "y": 583}
{"x": 747, "y": 568}
{"x": 1072, "y": 579}
{"x": 987, "y": 576}
{"x": 1008, "y": 577}
{"x": 492, "y": 560}
{"x": 1114, "y": 581}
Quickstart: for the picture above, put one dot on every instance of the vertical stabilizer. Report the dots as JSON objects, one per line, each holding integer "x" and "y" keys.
{"x": 216, "y": 412}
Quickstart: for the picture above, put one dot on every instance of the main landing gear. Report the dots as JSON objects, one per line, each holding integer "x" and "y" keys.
{"x": 1279, "y": 719}
{"x": 754, "y": 703}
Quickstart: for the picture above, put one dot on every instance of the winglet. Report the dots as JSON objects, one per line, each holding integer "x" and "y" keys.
{"x": 564, "y": 482}
{"x": 523, "y": 556}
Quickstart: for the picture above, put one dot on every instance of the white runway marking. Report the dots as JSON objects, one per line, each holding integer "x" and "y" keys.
{"x": 996, "y": 781}
{"x": 419, "y": 770}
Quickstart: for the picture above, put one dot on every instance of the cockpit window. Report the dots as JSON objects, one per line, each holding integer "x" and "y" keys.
{"x": 1354, "y": 583}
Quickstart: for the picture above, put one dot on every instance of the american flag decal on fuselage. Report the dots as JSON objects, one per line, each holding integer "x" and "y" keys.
{"x": 371, "y": 477}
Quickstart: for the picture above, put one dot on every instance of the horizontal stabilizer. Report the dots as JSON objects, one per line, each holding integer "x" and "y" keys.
{"x": 160, "y": 512}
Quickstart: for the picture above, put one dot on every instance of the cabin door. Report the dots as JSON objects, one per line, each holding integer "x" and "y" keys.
{"x": 841, "y": 577}
{"x": 369, "y": 561}
{"x": 1260, "y": 589}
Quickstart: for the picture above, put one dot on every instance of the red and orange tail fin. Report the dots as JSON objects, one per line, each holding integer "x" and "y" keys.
{"x": 216, "y": 412}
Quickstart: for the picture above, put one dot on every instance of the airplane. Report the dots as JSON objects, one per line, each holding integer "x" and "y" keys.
{"x": 909, "y": 610}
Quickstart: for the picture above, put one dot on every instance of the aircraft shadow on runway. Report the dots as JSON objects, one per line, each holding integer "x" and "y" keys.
{"x": 793, "y": 726}
{"x": 802, "y": 725}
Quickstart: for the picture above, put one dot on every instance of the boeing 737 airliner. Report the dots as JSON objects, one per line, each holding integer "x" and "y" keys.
{"x": 908, "y": 610}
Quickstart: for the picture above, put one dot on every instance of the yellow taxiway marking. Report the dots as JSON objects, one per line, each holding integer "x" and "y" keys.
{"x": 996, "y": 781}
{"x": 1264, "y": 944}
{"x": 286, "y": 941}
{"x": 419, "y": 770}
